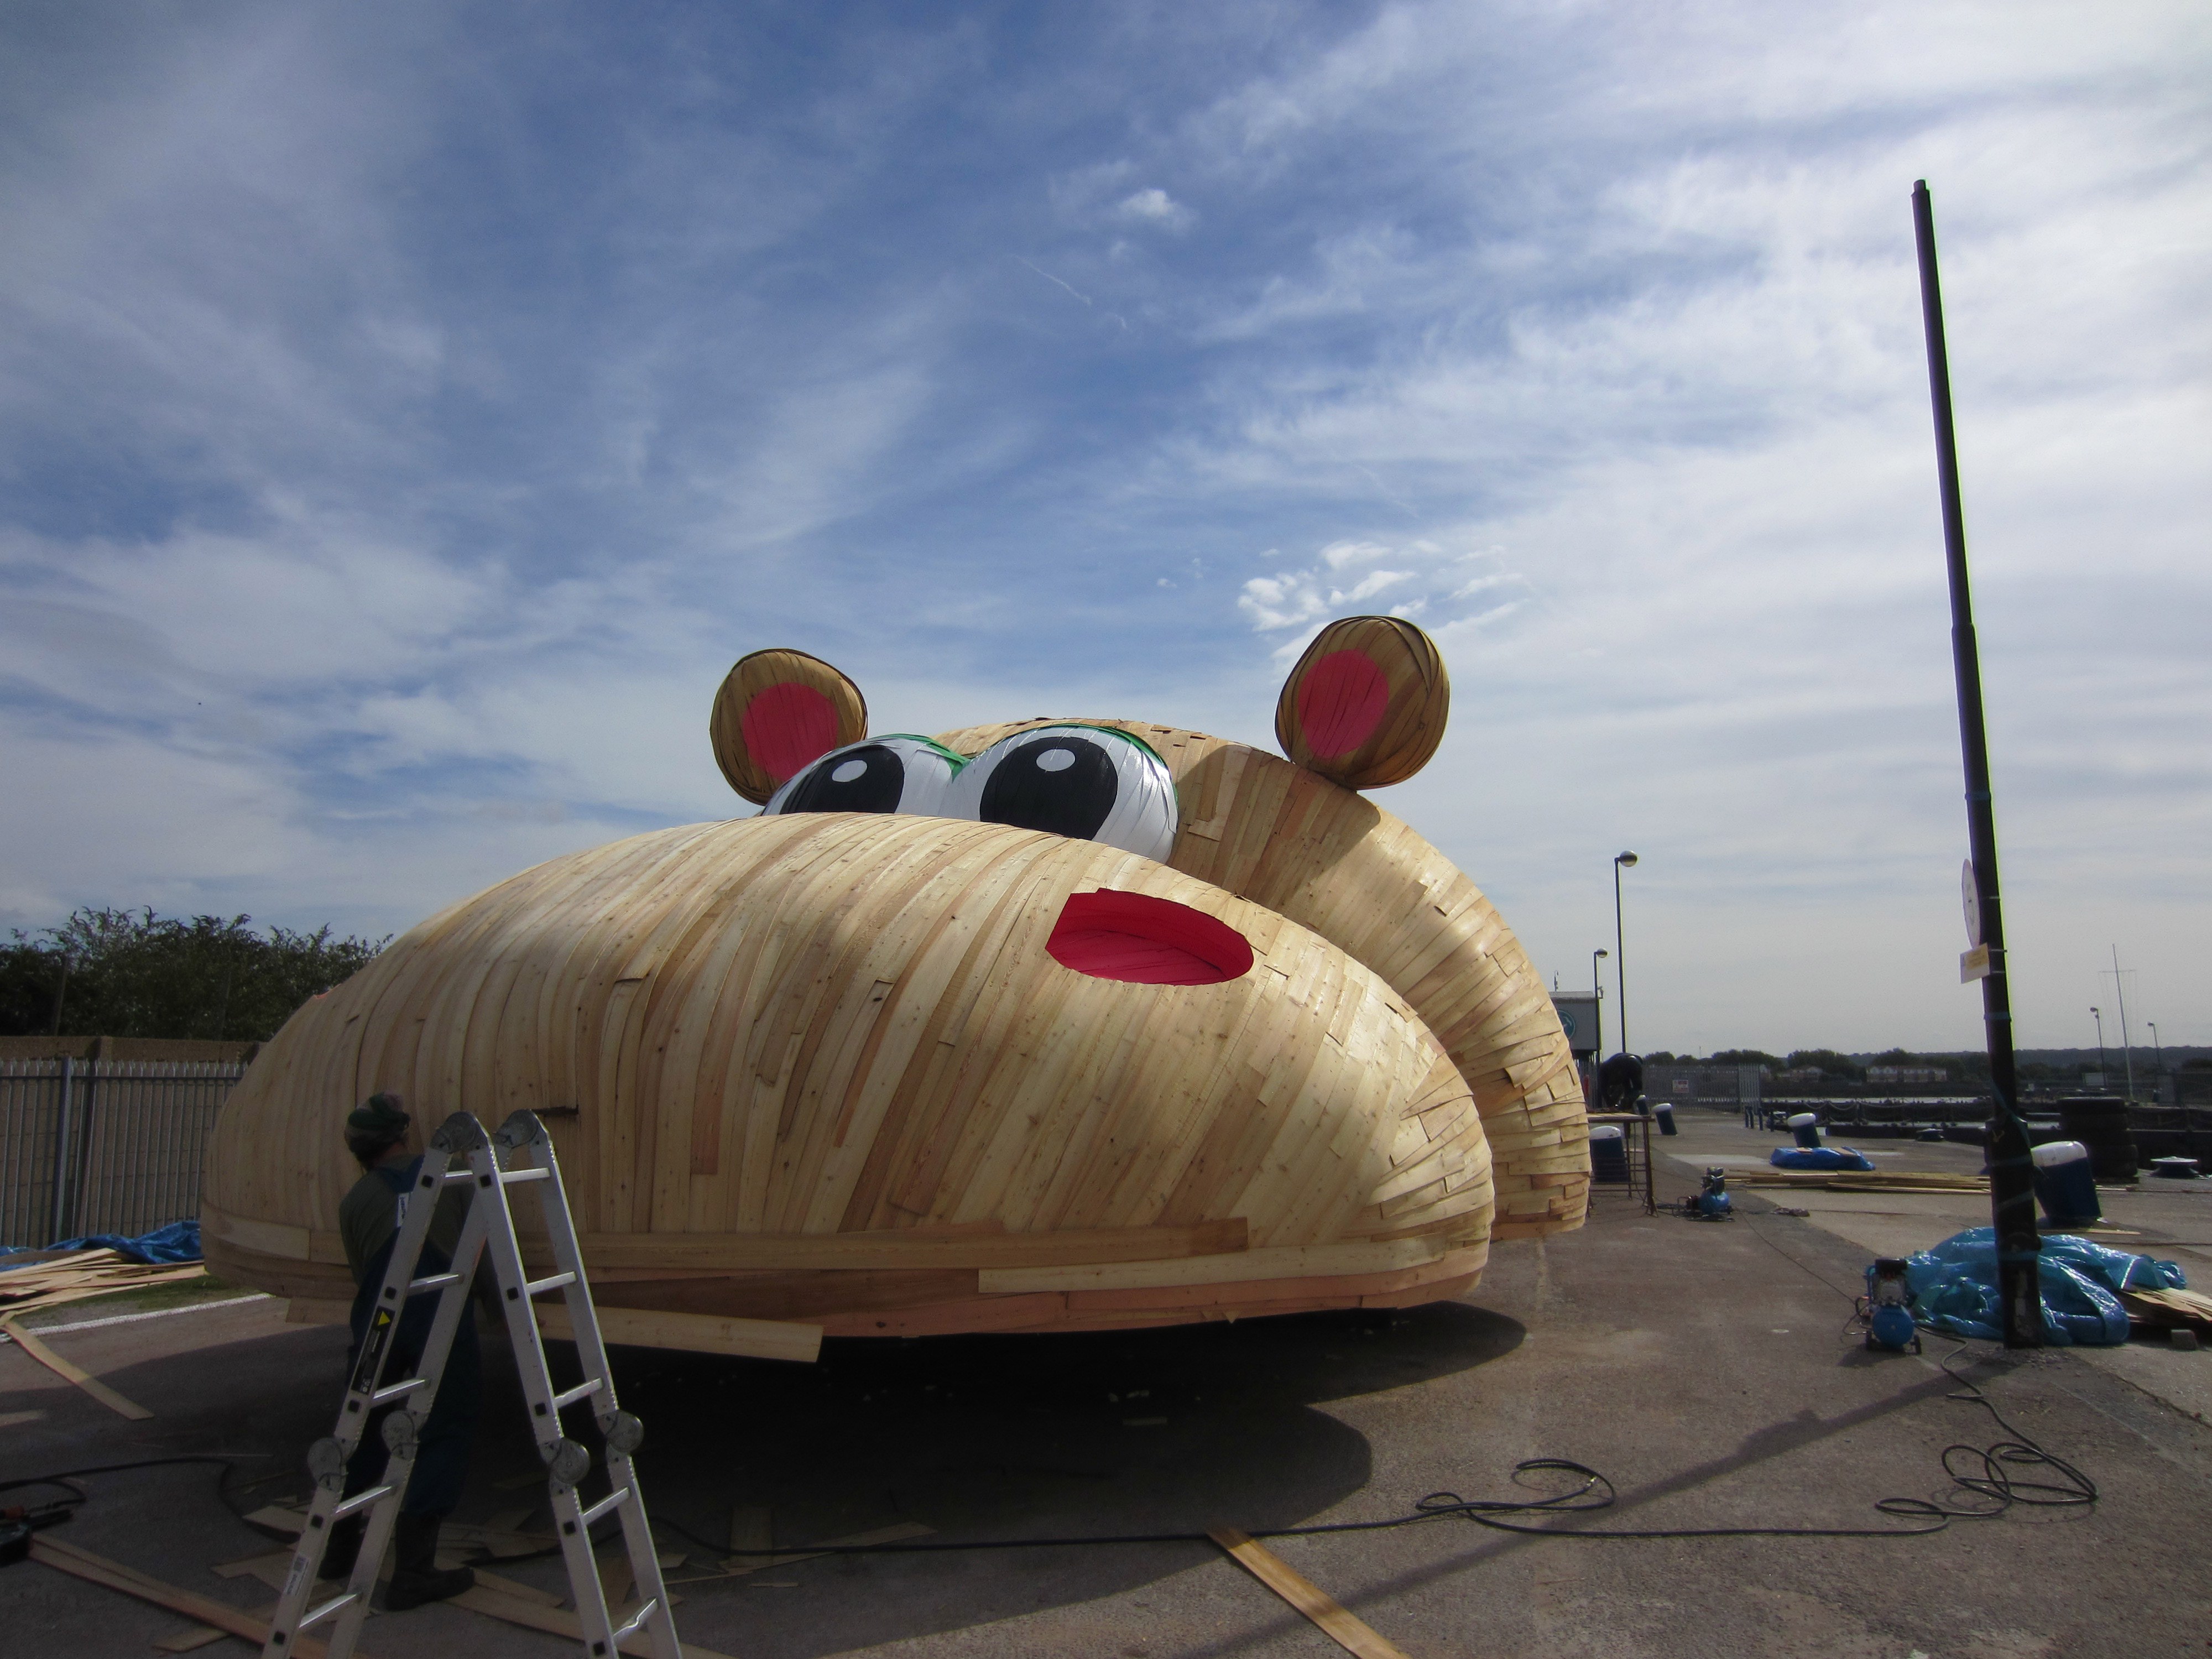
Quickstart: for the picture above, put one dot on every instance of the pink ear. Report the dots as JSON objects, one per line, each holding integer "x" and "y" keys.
{"x": 1342, "y": 700}
{"x": 776, "y": 711}
{"x": 1366, "y": 703}
{"x": 787, "y": 726}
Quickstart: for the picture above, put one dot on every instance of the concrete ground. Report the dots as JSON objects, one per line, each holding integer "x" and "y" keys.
{"x": 1703, "y": 1367}
{"x": 2170, "y": 1219}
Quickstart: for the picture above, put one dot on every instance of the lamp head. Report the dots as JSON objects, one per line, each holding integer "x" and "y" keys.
{"x": 1624, "y": 859}
{"x": 1601, "y": 953}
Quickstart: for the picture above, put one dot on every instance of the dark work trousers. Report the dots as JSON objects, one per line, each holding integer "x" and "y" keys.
{"x": 441, "y": 1454}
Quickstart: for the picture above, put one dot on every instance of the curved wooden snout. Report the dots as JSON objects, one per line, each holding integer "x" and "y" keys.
{"x": 897, "y": 1074}
{"x": 1285, "y": 838}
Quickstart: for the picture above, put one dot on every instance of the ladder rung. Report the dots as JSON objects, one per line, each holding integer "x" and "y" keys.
{"x": 612, "y": 1500}
{"x": 326, "y": 1610}
{"x": 562, "y": 1401}
{"x": 637, "y": 1624}
{"x": 539, "y": 1286}
{"x": 435, "y": 1281}
{"x": 397, "y": 1391}
{"x": 359, "y": 1501}
{"x": 510, "y": 1177}
{"x": 462, "y": 1174}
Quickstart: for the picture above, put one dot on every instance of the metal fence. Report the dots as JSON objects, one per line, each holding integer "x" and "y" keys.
{"x": 103, "y": 1147}
{"x": 1702, "y": 1085}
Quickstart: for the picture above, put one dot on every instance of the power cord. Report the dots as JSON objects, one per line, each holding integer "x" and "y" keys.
{"x": 1985, "y": 1471}
{"x": 1992, "y": 1480}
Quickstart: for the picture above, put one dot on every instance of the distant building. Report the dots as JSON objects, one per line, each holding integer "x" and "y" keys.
{"x": 1908, "y": 1074}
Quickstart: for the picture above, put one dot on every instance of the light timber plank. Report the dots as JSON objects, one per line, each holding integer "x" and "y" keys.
{"x": 1350, "y": 1633}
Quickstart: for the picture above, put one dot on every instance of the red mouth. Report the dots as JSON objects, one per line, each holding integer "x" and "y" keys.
{"x": 1143, "y": 940}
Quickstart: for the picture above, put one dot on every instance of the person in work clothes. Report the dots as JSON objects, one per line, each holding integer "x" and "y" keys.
{"x": 368, "y": 1221}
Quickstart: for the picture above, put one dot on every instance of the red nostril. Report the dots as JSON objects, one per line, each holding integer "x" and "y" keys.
{"x": 1147, "y": 941}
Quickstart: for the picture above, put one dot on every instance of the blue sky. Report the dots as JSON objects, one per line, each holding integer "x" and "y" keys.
{"x": 409, "y": 412}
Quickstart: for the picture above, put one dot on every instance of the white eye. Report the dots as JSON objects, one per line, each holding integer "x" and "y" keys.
{"x": 1089, "y": 783}
{"x": 899, "y": 774}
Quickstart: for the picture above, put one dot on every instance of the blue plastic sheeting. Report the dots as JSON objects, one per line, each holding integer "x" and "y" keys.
{"x": 1956, "y": 1285}
{"x": 178, "y": 1242}
{"x": 1820, "y": 1157}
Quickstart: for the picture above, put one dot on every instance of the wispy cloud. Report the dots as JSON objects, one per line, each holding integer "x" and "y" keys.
{"x": 403, "y": 422}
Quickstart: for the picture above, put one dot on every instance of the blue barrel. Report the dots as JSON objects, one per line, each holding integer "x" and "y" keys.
{"x": 1664, "y": 1112}
{"x": 2066, "y": 1183}
{"x": 1608, "y": 1155}
{"x": 1806, "y": 1127}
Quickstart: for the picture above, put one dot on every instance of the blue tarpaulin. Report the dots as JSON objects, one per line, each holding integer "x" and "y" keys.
{"x": 1820, "y": 1157}
{"x": 178, "y": 1242}
{"x": 1956, "y": 1284}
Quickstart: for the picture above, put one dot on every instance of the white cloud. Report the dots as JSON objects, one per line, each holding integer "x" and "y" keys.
{"x": 1154, "y": 206}
{"x": 397, "y": 470}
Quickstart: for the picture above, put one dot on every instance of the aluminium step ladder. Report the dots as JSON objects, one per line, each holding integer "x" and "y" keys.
{"x": 526, "y": 1153}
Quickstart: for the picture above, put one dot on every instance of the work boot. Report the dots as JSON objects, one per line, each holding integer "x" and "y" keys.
{"x": 343, "y": 1548}
{"x": 416, "y": 1578}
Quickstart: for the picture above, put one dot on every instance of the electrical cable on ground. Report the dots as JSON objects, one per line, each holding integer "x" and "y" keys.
{"x": 1992, "y": 1481}
{"x": 1986, "y": 1472}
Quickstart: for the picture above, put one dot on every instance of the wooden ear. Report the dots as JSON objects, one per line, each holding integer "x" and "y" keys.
{"x": 1367, "y": 704}
{"x": 777, "y": 711}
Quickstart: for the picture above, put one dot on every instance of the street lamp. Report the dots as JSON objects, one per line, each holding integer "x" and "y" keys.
{"x": 2157, "y": 1059}
{"x": 2098, "y": 1015}
{"x": 1597, "y": 1002}
{"x": 1620, "y": 862}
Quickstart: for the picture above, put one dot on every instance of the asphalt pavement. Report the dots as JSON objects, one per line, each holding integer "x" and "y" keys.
{"x": 1705, "y": 1368}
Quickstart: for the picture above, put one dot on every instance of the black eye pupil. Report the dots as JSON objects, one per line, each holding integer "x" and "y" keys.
{"x": 869, "y": 779}
{"x": 1061, "y": 784}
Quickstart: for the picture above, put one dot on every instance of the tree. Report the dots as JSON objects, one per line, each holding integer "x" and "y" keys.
{"x": 130, "y": 972}
{"x": 1827, "y": 1062}
{"x": 1746, "y": 1057}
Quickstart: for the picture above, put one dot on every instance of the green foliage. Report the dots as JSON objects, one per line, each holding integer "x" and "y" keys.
{"x": 1827, "y": 1062}
{"x": 1746, "y": 1057}
{"x": 130, "y": 972}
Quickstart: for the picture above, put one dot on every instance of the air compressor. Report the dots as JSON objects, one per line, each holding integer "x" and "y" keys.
{"x": 1888, "y": 1307}
{"x": 1711, "y": 1201}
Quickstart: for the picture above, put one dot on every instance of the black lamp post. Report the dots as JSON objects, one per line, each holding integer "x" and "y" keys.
{"x": 1620, "y": 862}
{"x": 1597, "y": 1002}
{"x": 2012, "y": 1191}
{"x": 2098, "y": 1015}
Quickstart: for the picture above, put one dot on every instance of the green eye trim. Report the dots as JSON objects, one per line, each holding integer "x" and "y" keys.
{"x": 958, "y": 759}
{"x": 1082, "y": 725}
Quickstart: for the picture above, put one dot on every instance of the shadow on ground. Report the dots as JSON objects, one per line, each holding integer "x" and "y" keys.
{"x": 974, "y": 1437}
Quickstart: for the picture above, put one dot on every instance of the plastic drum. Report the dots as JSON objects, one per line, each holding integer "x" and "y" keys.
{"x": 2066, "y": 1183}
{"x": 1608, "y": 1154}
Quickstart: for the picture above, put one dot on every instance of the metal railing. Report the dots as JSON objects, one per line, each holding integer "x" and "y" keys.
{"x": 104, "y": 1146}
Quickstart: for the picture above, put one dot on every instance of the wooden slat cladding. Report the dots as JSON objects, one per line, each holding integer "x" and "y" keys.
{"x": 1324, "y": 857}
{"x": 834, "y": 1027}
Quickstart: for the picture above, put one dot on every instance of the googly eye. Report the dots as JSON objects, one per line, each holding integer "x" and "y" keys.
{"x": 1089, "y": 783}
{"x": 883, "y": 774}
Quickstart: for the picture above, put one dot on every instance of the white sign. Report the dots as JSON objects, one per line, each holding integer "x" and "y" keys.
{"x": 1974, "y": 965}
{"x": 1973, "y": 900}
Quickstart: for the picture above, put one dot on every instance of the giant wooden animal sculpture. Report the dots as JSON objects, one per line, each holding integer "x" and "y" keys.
{"x": 1056, "y": 1024}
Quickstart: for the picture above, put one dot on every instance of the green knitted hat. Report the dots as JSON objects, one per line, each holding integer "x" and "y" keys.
{"x": 379, "y": 1116}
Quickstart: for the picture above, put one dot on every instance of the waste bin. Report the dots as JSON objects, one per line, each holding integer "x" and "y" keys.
{"x": 1608, "y": 1155}
{"x": 2065, "y": 1184}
